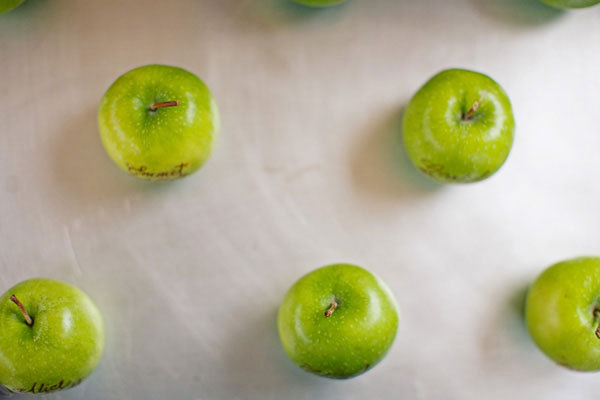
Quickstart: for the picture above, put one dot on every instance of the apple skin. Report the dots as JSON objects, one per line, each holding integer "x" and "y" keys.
{"x": 8, "y": 5}
{"x": 559, "y": 313}
{"x": 571, "y": 3}
{"x": 168, "y": 143}
{"x": 443, "y": 142}
{"x": 354, "y": 338}
{"x": 63, "y": 346}
{"x": 319, "y": 3}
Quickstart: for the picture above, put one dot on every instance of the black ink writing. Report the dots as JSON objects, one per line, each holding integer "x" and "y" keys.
{"x": 433, "y": 169}
{"x": 47, "y": 388}
{"x": 176, "y": 171}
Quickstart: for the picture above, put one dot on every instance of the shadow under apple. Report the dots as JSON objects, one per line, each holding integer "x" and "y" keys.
{"x": 380, "y": 163}
{"x": 26, "y": 9}
{"x": 265, "y": 15}
{"x": 30, "y": 17}
{"x": 289, "y": 9}
{"x": 519, "y": 13}
{"x": 257, "y": 363}
{"x": 505, "y": 335}
{"x": 85, "y": 178}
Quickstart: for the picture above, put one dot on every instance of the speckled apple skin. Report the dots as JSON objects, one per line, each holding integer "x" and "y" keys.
{"x": 445, "y": 146}
{"x": 571, "y": 3}
{"x": 354, "y": 338}
{"x": 8, "y": 5}
{"x": 168, "y": 143}
{"x": 559, "y": 313}
{"x": 64, "y": 344}
{"x": 319, "y": 3}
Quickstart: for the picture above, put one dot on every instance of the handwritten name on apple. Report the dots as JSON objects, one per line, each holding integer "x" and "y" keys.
{"x": 143, "y": 171}
{"x": 47, "y": 388}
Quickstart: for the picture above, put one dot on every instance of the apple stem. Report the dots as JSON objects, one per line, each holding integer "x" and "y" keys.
{"x": 156, "y": 106}
{"x": 469, "y": 114}
{"x": 331, "y": 309}
{"x": 28, "y": 319}
{"x": 597, "y": 315}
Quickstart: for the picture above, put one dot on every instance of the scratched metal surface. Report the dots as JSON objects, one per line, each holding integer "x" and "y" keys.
{"x": 308, "y": 171}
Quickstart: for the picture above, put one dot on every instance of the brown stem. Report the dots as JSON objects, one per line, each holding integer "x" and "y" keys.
{"x": 331, "y": 309}
{"x": 28, "y": 319}
{"x": 597, "y": 315}
{"x": 156, "y": 106}
{"x": 469, "y": 114}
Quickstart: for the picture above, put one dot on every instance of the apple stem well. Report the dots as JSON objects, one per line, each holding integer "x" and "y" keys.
{"x": 28, "y": 319}
{"x": 597, "y": 315}
{"x": 331, "y": 308}
{"x": 154, "y": 107}
{"x": 469, "y": 114}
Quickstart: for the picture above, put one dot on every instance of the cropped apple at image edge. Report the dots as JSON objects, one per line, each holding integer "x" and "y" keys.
{"x": 562, "y": 4}
{"x": 319, "y": 3}
{"x": 571, "y": 3}
{"x": 52, "y": 337}
{"x": 562, "y": 313}
{"x": 8, "y": 5}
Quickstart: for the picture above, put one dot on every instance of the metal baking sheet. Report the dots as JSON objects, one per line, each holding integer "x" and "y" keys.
{"x": 308, "y": 171}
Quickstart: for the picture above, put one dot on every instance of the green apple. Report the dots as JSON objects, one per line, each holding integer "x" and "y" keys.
{"x": 319, "y": 3}
{"x": 338, "y": 321}
{"x": 51, "y": 339}
{"x": 459, "y": 127}
{"x": 571, "y": 3}
{"x": 7, "y": 5}
{"x": 158, "y": 122}
{"x": 562, "y": 312}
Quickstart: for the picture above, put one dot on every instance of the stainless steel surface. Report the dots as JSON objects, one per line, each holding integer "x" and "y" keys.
{"x": 308, "y": 171}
